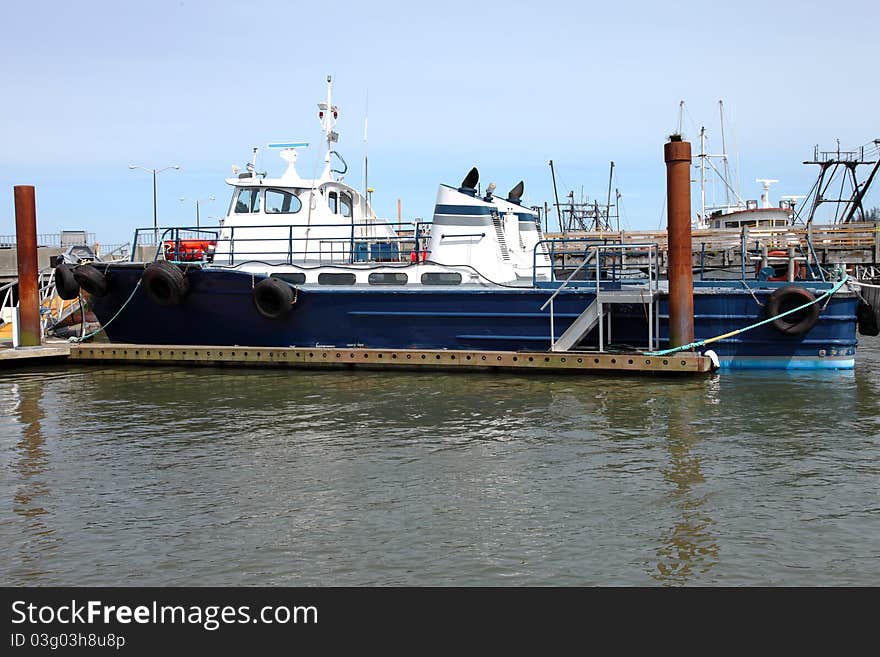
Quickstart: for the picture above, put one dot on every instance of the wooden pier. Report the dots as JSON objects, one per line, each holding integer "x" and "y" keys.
{"x": 414, "y": 359}
{"x": 853, "y": 245}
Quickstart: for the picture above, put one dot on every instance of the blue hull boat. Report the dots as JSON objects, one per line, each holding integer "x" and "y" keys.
{"x": 219, "y": 309}
{"x": 306, "y": 262}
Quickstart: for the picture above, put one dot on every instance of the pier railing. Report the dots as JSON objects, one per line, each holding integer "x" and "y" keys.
{"x": 851, "y": 235}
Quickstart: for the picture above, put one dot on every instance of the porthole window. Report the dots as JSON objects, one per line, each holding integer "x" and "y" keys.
{"x": 441, "y": 278}
{"x": 333, "y": 278}
{"x": 294, "y": 278}
{"x": 388, "y": 278}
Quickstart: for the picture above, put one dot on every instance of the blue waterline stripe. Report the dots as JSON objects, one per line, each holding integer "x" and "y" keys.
{"x": 788, "y": 364}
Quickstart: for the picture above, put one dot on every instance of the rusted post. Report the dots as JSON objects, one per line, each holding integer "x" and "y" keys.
{"x": 26, "y": 245}
{"x": 677, "y": 154}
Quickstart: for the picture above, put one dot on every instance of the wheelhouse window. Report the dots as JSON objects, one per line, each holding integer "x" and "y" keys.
{"x": 441, "y": 278}
{"x": 345, "y": 204}
{"x": 279, "y": 201}
{"x": 247, "y": 201}
{"x": 336, "y": 279}
{"x": 340, "y": 203}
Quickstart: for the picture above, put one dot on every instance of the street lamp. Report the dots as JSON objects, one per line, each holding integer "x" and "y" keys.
{"x": 197, "y": 201}
{"x": 154, "y": 172}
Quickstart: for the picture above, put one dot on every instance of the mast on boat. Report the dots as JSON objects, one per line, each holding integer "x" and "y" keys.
{"x": 328, "y": 113}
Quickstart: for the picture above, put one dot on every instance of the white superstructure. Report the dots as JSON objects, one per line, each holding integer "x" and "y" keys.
{"x": 290, "y": 223}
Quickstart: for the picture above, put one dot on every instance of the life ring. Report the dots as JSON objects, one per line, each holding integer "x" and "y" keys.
{"x": 785, "y": 299}
{"x": 273, "y": 298}
{"x": 164, "y": 283}
{"x": 65, "y": 282}
{"x": 91, "y": 280}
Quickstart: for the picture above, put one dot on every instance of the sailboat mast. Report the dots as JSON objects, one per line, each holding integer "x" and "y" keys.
{"x": 724, "y": 154}
{"x": 703, "y": 175}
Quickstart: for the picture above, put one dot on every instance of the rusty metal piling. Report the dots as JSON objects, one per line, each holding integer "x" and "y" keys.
{"x": 677, "y": 154}
{"x": 28, "y": 268}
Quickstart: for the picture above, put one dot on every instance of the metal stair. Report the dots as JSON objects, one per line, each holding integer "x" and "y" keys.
{"x": 593, "y": 313}
{"x": 578, "y": 329}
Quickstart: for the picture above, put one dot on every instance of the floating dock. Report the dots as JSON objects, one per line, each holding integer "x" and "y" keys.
{"x": 440, "y": 359}
{"x": 31, "y": 355}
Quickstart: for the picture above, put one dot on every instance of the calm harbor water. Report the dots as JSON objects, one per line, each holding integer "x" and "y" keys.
{"x": 139, "y": 476}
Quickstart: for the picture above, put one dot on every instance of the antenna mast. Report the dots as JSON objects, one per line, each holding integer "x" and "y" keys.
{"x": 328, "y": 113}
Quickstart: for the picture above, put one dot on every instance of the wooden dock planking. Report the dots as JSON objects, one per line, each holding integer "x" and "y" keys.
{"x": 32, "y": 355}
{"x": 331, "y": 357}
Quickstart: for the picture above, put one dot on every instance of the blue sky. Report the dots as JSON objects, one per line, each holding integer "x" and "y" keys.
{"x": 91, "y": 87}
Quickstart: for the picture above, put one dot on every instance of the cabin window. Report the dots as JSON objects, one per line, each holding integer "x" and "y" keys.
{"x": 294, "y": 278}
{"x": 328, "y": 278}
{"x": 345, "y": 203}
{"x": 280, "y": 202}
{"x": 441, "y": 278}
{"x": 248, "y": 201}
{"x": 333, "y": 201}
{"x": 388, "y": 278}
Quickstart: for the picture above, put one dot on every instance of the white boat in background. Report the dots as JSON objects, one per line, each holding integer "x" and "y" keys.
{"x": 734, "y": 212}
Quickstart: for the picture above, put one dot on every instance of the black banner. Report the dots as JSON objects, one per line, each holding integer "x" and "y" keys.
{"x": 249, "y": 620}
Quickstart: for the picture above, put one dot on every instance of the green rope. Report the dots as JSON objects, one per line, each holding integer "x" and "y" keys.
{"x": 104, "y": 326}
{"x": 701, "y": 343}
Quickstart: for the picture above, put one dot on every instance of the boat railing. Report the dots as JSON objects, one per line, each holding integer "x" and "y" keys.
{"x": 620, "y": 262}
{"x": 289, "y": 244}
{"x": 607, "y": 262}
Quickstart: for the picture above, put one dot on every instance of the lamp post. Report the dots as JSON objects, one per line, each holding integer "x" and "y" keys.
{"x": 154, "y": 172}
{"x": 197, "y": 201}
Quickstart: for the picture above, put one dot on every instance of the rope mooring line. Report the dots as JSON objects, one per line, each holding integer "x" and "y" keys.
{"x": 110, "y": 321}
{"x": 701, "y": 343}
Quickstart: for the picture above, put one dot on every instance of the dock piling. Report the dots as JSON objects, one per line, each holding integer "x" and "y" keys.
{"x": 26, "y": 246}
{"x": 677, "y": 154}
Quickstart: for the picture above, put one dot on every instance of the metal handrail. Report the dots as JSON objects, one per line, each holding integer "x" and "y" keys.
{"x": 653, "y": 287}
{"x": 585, "y": 262}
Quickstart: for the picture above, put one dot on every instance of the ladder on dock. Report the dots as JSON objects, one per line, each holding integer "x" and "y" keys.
{"x": 596, "y": 312}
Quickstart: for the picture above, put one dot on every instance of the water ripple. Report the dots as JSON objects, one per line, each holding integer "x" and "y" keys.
{"x": 169, "y": 476}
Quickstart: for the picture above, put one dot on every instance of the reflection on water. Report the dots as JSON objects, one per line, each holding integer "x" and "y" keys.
{"x": 139, "y": 476}
{"x": 689, "y": 543}
{"x": 30, "y": 464}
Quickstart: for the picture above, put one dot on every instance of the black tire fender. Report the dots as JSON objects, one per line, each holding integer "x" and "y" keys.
{"x": 164, "y": 283}
{"x": 786, "y": 298}
{"x": 273, "y": 298}
{"x": 65, "y": 282}
{"x": 91, "y": 280}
